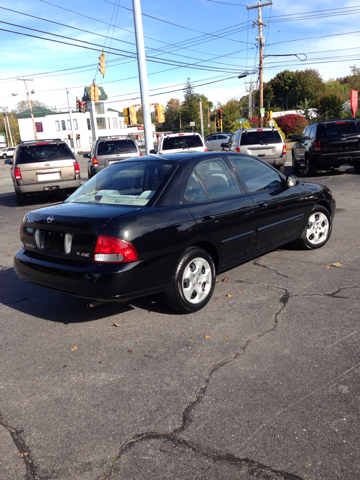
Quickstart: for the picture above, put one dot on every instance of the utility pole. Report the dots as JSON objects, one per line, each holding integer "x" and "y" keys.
{"x": 6, "y": 133}
{"x": 250, "y": 90}
{"x": 72, "y": 126}
{"x": 30, "y": 104}
{"x": 261, "y": 40}
{"x": 8, "y": 125}
{"x": 144, "y": 89}
{"x": 201, "y": 117}
{"x": 208, "y": 109}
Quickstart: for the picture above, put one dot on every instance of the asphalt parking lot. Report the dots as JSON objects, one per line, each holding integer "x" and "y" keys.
{"x": 263, "y": 383}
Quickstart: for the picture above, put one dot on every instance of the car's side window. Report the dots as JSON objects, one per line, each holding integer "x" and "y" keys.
{"x": 256, "y": 175}
{"x": 215, "y": 179}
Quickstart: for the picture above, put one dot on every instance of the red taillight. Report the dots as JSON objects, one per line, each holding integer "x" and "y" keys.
{"x": 140, "y": 154}
{"x": 284, "y": 149}
{"x": 206, "y": 150}
{"x": 259, "y": 129}
{"x": 17, "y": 173}
{"x": 339, "y": 123}
{"x": 95, "y": 162}
{"x": 317, "y": 146}
{"x": 237, "y": 149}
{"x": 77, "y": 168}
{"x": 114, "y": 250}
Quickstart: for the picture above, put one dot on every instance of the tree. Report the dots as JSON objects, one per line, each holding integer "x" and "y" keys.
{"x": 283, "y": 87}
{"x": 291, "y": 124}
{"x": 231, "y": 111}
{"x": 329, "y": 106}
{"x": 172, "y": 115}
{"x": 190, "y": 110}
{"x": 23, "y": 105}
{"x": 305, "y": 109}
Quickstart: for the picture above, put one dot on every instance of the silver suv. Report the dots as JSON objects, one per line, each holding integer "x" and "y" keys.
{"x": 43, "y": 166}
{"x": 109, "y": 150}
{"x": 265, "y": 143}
{"x": 180, "y": 143}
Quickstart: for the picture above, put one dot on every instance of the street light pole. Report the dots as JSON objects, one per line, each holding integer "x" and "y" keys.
{"x": 8, "y": 125}
{"x": 30, "y": 105}
{"x": 201, "y": 117}
{"x": 72, "y": 125}
{"x": 144, "y": 89}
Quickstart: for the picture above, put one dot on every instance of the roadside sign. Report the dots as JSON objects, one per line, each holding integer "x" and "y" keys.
{"x": 353, "y": 101}
{"x": 192, "y": 124}
{"x": 262, "y": 110}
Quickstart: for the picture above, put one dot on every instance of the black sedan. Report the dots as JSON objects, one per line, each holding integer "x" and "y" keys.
{"x": 169, "y": 224}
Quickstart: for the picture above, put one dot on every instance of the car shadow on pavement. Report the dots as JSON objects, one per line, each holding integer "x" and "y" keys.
{"x": 42, "y": 303}
{"x": 35, "y": 201}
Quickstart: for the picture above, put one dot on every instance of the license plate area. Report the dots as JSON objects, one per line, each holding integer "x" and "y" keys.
{"x": 45, "y": 177}
{"x": 53, "y": 242}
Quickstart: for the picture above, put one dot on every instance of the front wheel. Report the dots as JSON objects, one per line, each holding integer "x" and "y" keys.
{"x": 4, "y": 156}
{"x": 295, "y": 165}
{"x": 318, "y": 229}
{"x": 193, "y": 282}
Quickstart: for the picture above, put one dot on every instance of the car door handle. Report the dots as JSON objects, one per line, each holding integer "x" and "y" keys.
{"x": 207, "y": 216}
{"x": 262, "y": 205}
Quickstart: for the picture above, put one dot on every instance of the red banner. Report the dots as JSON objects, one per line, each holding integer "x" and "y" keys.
{"x": 353, "y": 101}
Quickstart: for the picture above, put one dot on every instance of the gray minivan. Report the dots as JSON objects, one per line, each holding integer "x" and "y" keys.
{"x": 265, "y": 143}
{"x": 109, "y": 150}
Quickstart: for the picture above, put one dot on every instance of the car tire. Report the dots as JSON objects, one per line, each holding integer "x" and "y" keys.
{"x": 21, "y": 199}
{"x": 318, "y": 229}
{"x": 281, "y": 169}
{"x": 295, "y": 165}
{"x": 357, "y": 167}
{"x": 193, "y": 281}
{"x": 4, "y": 156}
{"x": 310, "y": 168}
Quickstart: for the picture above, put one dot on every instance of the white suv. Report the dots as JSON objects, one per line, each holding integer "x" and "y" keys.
{"x": 8, "y": 152}
{"x": 180, "y": 142}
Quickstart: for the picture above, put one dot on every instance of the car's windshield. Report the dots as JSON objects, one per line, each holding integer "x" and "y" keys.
{"x": 187, "y": 141}
{"x": 44, "y": 151}
{"x": 336, "y": 129}
{"x": 258, "y": 137}
{"x": 125, "y": 183}
{"x": 112, "y": 147}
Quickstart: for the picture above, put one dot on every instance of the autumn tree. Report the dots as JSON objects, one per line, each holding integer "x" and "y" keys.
{"x": 329, "y": 106}
{"x": 24, "y": 105}
{"x": 190, "y": 110}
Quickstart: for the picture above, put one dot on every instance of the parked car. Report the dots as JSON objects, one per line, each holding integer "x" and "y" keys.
{"x": 180, "y": 142}
{"x": 109, "y": 150}
{"x": 8, "y": 152}
{"x": 328, "y": 144}
{"x": 169, "y": 224}
{"x": 214, "y": 141}
{"x": 43, "y": 166}
{"x": 265, "y": 143}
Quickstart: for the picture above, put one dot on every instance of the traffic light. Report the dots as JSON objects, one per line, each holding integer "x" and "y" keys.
{"x": 94, "y": 92}
{"x": 126, "y": 114}
{"x": 217, "y": 123}
{"x": 83, "y": 106}
{"x": 78, "y": 105}
{"x": 70, "y": 136}
{"x": 102, "y": 63}
{"x": 220, "y": 113}
{"x": 271, "y": 115}
{"x": 159, "y": 113}
{"x": 132, "y": 116}
{"x": 78, "y": 136}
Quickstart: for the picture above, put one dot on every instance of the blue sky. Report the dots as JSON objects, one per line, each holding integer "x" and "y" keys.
{"x": 212, "y": 42}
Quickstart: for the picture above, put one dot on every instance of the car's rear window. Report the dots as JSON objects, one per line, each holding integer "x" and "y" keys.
{"x": 172, "y": 143}
{"x": 336, "y": 129}
{"x": 125, "y": 183}
{"x": 116, "y": 146}
{"x": 44, "y": 151}
{"x": 260, "y": 137}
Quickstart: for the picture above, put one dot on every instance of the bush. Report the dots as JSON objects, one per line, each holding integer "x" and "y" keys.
{"x": 292, "y": 125}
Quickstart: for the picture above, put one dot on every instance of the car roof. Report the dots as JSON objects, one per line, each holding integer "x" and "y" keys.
{"x": 183, "y": 134}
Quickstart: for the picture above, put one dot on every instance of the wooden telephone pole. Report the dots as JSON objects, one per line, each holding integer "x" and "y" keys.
{"x": 261, "y": 40}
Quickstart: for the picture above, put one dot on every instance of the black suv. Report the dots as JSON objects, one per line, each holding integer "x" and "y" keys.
{"x": 328, "y": 144}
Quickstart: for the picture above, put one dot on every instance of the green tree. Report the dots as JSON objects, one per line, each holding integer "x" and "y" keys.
{"x": 329, "y": 106}
{"x": 14, "y": 126}
{"x": 23, "y": 105}
{"x": 283, "y": 86}
{"x": 190, "y": 110}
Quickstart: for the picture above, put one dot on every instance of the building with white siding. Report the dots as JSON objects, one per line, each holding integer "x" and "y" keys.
{"x": 84, "y": 129}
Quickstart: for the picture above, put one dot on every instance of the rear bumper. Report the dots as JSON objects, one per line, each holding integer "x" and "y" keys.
{"x": 41, "y": 187}
{"x": 336, "y": 159}
{"x": 103, "y": 282}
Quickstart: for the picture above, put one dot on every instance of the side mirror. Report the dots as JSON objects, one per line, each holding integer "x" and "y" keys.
{"x": 86, "y": 155}
{"x": 153, "y": 152}
{"x": 224, "y": 145}
{"x": 292, "y": 181}
{"x": 8, "y": 161}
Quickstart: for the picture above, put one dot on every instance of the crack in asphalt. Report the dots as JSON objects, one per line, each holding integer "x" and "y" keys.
{"x": 24, "y": 451}
{"x": 257, "y": 264}
{"x": 216, "y": 456}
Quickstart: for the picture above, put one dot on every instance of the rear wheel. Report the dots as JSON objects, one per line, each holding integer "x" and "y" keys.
{"x": 4, "y": 156}
{"x": 21, "y": 199}
{"x": 281, "y": 169}
{"x": 310, "y": 167}
{"x": 318, "y": 229}
{"x": 193, "y": 282}
{"x": 357, "y": 167}
{"x": 295, "y": 165}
